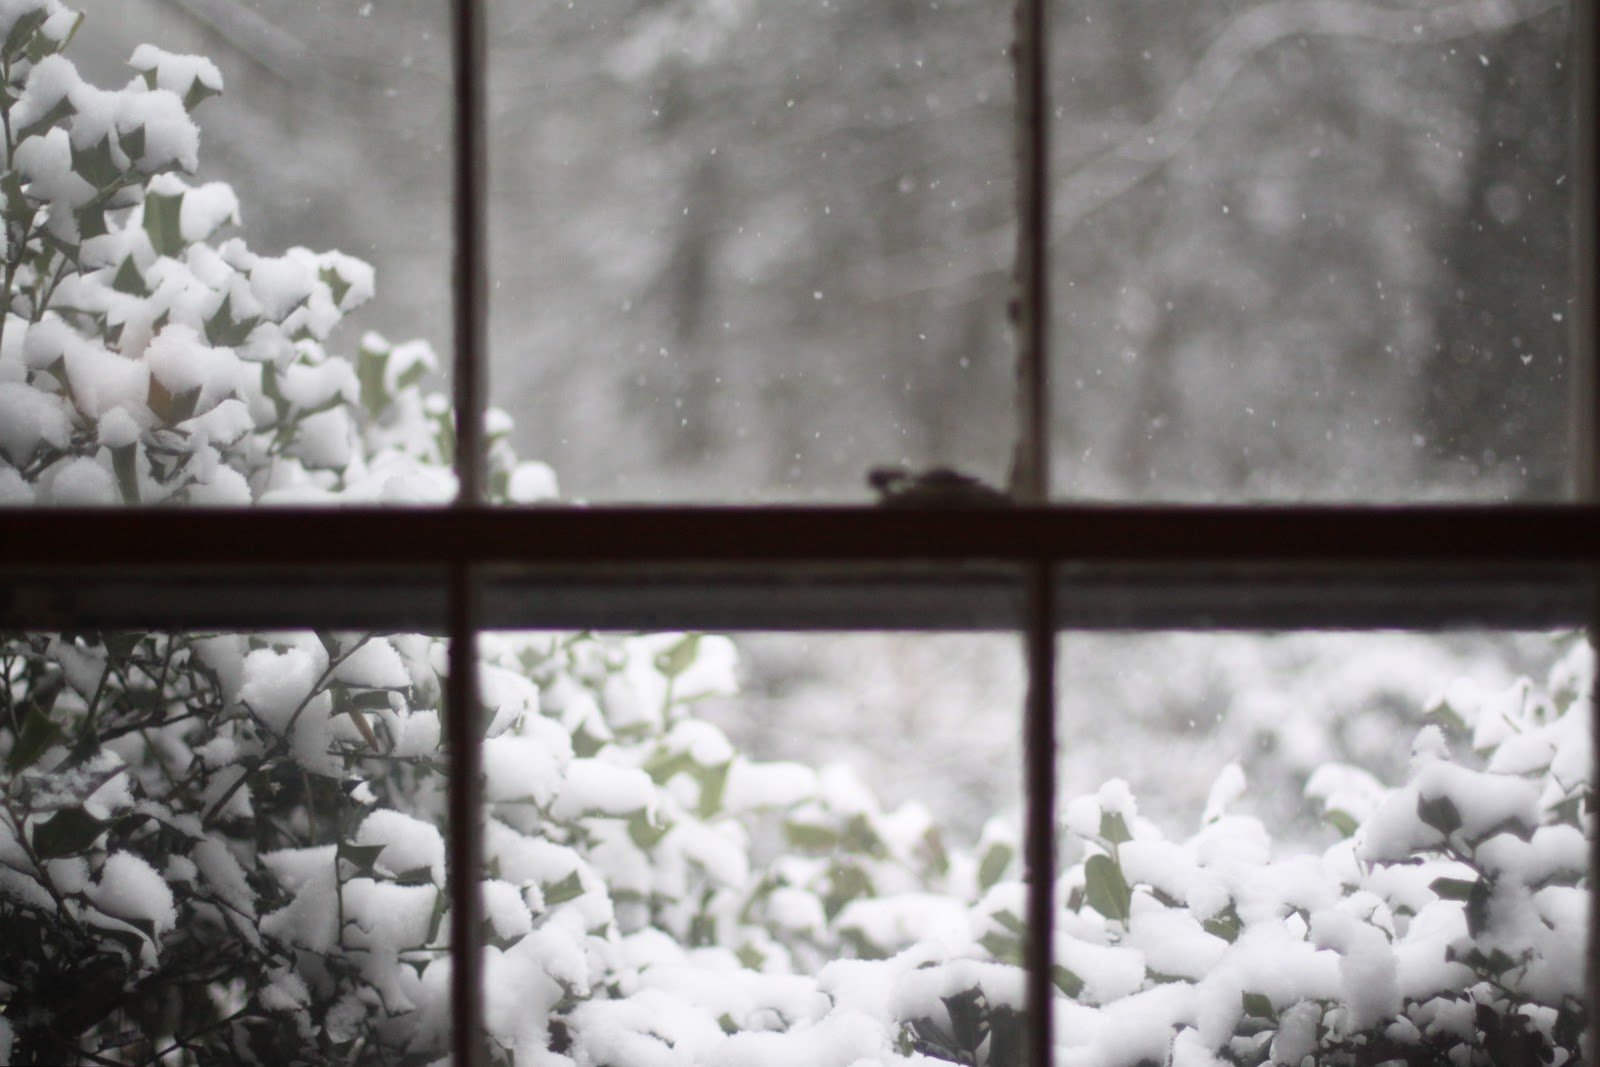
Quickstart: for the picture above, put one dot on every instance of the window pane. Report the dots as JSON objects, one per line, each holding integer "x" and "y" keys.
{"x": 1312, "y": 252}
{"x": 747, "y": 252}
{"x": 223, "y": 848}
{"x": 782, "y": 849}
{"x": 170, "y": 338}
{"x": 1324, "y": 846}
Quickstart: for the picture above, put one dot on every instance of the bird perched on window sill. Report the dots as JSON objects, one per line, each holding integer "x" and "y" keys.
{"x": 937, "y": 487}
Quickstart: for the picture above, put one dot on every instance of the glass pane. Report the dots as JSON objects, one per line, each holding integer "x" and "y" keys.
{"x": 1347, "y": 847}
{"x": 222, "y": 848}
{"x": 746, "y": 252}
{"x": 780, "y": 849}
{"x": 169, "y": 338}
{"x": 1311, "y": 252}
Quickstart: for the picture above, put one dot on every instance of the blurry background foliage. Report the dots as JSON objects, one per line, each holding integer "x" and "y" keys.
{"x": 744, "y": 250}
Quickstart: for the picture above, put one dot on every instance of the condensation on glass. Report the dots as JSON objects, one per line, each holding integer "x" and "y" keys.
{"x": 746, "y": 252}
{"x": 1305, "y": 252}
{"x": 223, "y": 847}
{"x": 1295, "y": 845}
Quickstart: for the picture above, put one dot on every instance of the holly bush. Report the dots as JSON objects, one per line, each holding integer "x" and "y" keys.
{"x": 228, "y": 848}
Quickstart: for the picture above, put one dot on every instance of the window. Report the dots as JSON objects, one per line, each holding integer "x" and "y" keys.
{"x": 78, "y": 582}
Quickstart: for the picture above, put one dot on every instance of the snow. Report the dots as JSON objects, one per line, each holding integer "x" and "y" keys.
{"x": 1369, "y": 985}
{"x": 504, "y": 907}
{"x": 14, "y": 492}
{"x": 170, "y": 136}
{"x": 892, "y": 923}
{"x": 310, "y": 919}
{"x": 176, "y": 73}
{"x": 49, "y": 82}
{"x": 373, "y": 665}
{"x": 102, "y": 380}
{"x": 129, "y": 888}
{"x": 408, "y": 843}
{"x": 182, "y": 361}
{"x": 30, "y": 420}
{"x": 775, "y": 784}
{"x": 532, "y": 483}
{"x": 325, "y": 439}
{"x": 1108, "y": 972}
{"x": 286, "y": 992}
{"x": 118, "y": 429}
{"x": 520, "y": 768}
{"x": 594, "y": 787}
{"x": 81, "y": 482}
{"x": 281, "y": 285}
{"x": 276, "y": 684}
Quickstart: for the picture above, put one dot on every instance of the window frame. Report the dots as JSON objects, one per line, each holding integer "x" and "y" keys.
{"x": 1036, "y": 567}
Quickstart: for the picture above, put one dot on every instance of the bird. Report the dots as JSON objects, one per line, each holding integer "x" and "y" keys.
{"x": 937, "y": 487}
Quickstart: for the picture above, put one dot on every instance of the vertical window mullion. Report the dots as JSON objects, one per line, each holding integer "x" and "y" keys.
{"x": 1585, "y": 379}
{"x": 1030, "y": 464}
{"x": 1039, "y": 844}
{"x": 463, "y": 736}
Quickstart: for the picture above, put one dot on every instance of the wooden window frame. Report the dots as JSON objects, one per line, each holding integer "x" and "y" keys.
{"x": 1035, "y": 567}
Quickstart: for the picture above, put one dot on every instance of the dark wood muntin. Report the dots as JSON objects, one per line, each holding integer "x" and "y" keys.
{"x": 590, "y": 537}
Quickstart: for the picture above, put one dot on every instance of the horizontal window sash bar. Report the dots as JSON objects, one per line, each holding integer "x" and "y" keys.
{"x": 800, "y": 595}
{"x": 587, "y": 537}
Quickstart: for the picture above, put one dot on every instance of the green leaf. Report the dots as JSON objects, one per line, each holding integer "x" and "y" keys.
{"x": 713, "y": 783}
{"x": 860, "y": 836}
{"x": 362, "y": 857}
{"x": 1453, "y": 888}
{"x": 643, "y": 832}
{"x": 1439, "y": 813}
{"x": 1113, "y": 829}
{"x": 57, "y": 115}
{"x": 161, "y": 214}
{"x": 1107, "y": 889}
{"x": 122, "y": 643}
{"x": 97, "y": 164}
{"x": 569, "y": 888}
{"x": 1225, "y": 925}
{"x": 370, "y": 700}
{"x": 415, "y": 876}
{"x": 370, "y": 366}
{"x": 966, "y": 1017}
{"x": 223, "y": 329}
{"x": 1069, "y": 984}
{"x": 1258, "y": 1005}
{"x": 1008, "y": 1036}
{"x": 811, "y": 836}
{"x": 23, "y": 30}
{"x": 1341, "y": 821}
{"x": 37, "y": 733}
{"x": 849, "y": 882}
{"x": 1004, "y": 949}
{"x": 199, "y": 92}
{"x": 66, "y": 833}
{"x": 335, "y": 283}
{"x": 441, "y": 904}
{"x": 994, "y": 863}
{"x": 129, "y": 279}
{"x": 124, "y": 463}
{"x": 677, "y": 659}
{"x": 585, "y": 744}
{"x": 132, "y": 144}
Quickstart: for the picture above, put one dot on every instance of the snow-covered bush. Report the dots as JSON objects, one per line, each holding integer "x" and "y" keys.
{"x": 229, "y": 848}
